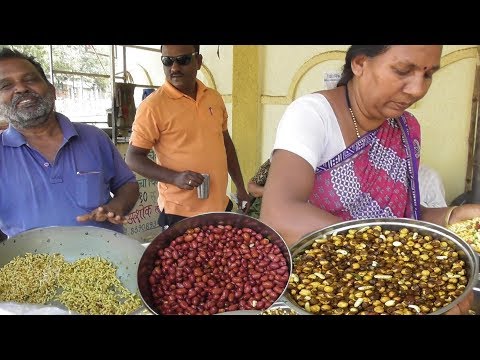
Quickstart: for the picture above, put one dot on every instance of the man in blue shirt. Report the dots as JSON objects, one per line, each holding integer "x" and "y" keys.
{"x": 53, "y": 171}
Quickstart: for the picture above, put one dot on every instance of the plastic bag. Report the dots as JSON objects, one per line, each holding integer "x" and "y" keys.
{"x": 236, "y": 207}
{"x": 13, "y": 308}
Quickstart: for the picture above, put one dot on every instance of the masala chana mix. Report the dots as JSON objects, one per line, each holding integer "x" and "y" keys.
{"x": 279, "y": 310}
{"x": 85, "y": 286}
{"x": 469, "y": 231}
{"x": 372, "y": 270}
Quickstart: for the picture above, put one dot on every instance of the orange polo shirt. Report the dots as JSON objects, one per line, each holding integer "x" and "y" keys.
{"x": 185, "y": 134}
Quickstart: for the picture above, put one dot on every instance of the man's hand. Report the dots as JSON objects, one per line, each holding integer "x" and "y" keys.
{"x": 188, "y": 180}
{"x": 103, "y": 213}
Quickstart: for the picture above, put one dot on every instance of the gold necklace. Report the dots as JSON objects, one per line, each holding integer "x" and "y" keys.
{"x": 354, "y": 119}
{"x": 355, "y": 123}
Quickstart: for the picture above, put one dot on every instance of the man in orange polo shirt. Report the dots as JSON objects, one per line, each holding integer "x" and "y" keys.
{"x": 185, "y": 123}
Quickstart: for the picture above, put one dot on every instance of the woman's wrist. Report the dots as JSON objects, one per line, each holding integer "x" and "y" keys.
{"x": 450, "y": 217}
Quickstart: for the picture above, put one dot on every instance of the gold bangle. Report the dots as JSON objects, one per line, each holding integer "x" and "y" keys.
{"x": 449, "y": 215}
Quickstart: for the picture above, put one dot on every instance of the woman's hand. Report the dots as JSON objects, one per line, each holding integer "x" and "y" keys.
{"x": 255, "y": 190}
{"x": 464, "y": 212}
{"x": 463, "y": 307}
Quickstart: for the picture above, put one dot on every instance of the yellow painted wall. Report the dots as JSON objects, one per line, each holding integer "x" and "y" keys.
{"x": 245, "y": 107}
{"x": 302, "y": 72}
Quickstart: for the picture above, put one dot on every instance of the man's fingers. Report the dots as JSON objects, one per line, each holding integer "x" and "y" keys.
{"x": 117, "y": 220}
{"x": 84, "y": 217}
{"x": 101, "y": 214}
{"x": 94, "y": 216}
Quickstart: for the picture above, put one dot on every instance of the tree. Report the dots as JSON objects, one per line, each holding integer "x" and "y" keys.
{"x": 91, "y": 59}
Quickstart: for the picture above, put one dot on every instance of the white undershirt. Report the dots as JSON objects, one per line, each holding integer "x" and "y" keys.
{"x": 309, "y": 128}
{"x": 432, "y": 191}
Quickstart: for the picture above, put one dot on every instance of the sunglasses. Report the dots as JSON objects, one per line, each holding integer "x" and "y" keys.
{"x": 180, "y": 60}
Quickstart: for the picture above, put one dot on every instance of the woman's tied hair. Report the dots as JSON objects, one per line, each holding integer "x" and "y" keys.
{"x": 356, "y": 50}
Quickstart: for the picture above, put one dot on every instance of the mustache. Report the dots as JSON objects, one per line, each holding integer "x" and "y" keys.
{"x": 27, "y": 96}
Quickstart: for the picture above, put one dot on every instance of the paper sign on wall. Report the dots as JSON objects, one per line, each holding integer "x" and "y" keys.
{"x": 331, "y": 79}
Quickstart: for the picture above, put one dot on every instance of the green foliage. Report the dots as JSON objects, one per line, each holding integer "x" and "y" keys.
{"x": 91, "y": 59}
{"x": 39, "y": 52}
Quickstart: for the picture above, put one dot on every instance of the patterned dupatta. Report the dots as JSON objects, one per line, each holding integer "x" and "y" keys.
{"x": 375, "y": 177}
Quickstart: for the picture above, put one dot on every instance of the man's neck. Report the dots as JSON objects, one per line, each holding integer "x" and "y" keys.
{"x": 48, "y": 129}
{"x": 192, "y": 92}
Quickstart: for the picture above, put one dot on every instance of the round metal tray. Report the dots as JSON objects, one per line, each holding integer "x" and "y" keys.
{"x": 464, "y": 250}
{"x": 75, "y": 242}
{"x": 279, "y": 308}
{"x": 241, "y": 312}
{"x": 148, "y": 258}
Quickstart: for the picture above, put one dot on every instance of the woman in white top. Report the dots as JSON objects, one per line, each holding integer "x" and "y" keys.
{"x": 353, "y": 152}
